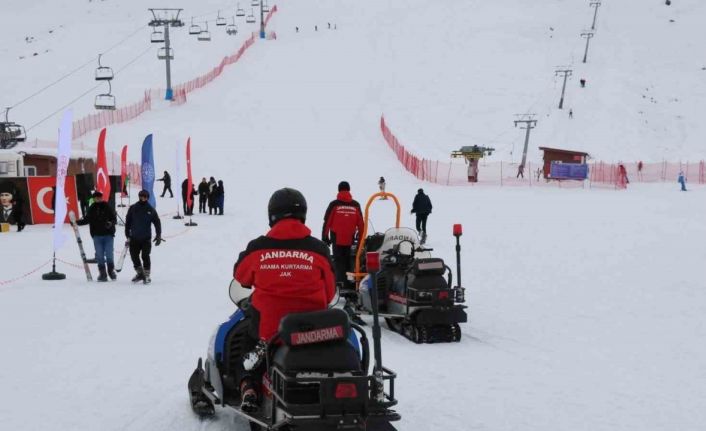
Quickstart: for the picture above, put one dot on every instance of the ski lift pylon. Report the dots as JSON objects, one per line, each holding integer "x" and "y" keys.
{"x": 103, "y": 73}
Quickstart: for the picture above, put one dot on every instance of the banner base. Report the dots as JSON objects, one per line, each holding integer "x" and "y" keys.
{"x": 191, "y": 223}
{"x": 177, "y": 217}
{"x": 53, "y": 276}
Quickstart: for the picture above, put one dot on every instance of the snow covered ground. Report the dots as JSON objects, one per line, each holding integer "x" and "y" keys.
{"x": 586, "y": 306}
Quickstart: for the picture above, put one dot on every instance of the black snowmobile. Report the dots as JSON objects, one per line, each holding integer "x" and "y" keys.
{"x": 316, "y": 378}
{"x": 415, "y": 290}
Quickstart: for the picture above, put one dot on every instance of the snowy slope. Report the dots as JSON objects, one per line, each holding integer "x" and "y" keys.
{"x": 585, "y": 305}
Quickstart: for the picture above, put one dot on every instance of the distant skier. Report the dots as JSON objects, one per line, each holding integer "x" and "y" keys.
{"x": 329, "y": 26}
{"x": 138, "y": 230}
{"x": 582, "y": 81}
{"x": 381, "y": 184}
{"x": 422, "y": 208}
{"x": 571, "y": 113}
{"x": 623, "y": 173}
{"x": 297, "y": 29}
{"x": 167, "y": 184}
{"x": 682, "y": 180}
{"x": 307, "y": 284}
{"x": 639, "y": 170}
{"x": 343, "y": 222}
{"x": 101, "y": 219}
{"x": 316, "y": 28}
{"x": 520, "y": 171}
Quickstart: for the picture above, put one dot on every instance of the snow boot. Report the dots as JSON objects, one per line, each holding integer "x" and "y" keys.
{"x": 103, "y": 275}
{"x": 255, "y": 357}
{"x": 248, "y": 402}
{"x": 139, "y": 276}
{"x": 146, "y": 278}
{"x": 111, "y": 271}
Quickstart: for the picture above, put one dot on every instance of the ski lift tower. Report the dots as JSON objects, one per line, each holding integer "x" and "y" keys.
{"x": 472, "y": 154}
{"x": 166, "y": 18}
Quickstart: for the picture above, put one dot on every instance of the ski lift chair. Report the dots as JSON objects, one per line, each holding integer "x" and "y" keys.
{"x": 162, "y": 53}
{"x": 11, "y": 133}
{"x": 232, "y": 29}
{"x": 157, "y": 36}
{"x": 205, "y": 35}
{"x": 103, "y": 73}
{"x": 239, "y": 11}
{"x": 193, "y": 28}
{"x": 105, "y": 102}
{"x": 255, "y": 3}
{"x": 250, "y": 19}
{"x": 220, "y": 21}
{"x": 265, "y": 7}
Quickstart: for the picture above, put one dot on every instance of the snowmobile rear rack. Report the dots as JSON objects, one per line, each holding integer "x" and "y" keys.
{"x": 357, "y": 274}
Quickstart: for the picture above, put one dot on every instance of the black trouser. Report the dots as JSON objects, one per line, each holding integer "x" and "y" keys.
{"x": 143, "y": 246}
{"x": 422, "y": 222}
{"x": 341, "y": 262}
{"x": 167, "y": 187}
{"x": 251, "y": 336}
{"x": 202, "y": 203}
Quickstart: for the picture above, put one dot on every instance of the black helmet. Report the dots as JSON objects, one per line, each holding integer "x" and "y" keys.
{"x": 286, "y": 203}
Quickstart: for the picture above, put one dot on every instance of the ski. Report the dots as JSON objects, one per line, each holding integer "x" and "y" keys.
{"x": 121, "y": 259}
{"x": 72, "y": 218}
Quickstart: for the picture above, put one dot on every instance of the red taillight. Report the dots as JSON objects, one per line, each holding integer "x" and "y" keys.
{"x": 372, "y": 261}
{"x": 444, "y": 294}
{"x": 346, "y": 390}
{"x": 458, "y": 230}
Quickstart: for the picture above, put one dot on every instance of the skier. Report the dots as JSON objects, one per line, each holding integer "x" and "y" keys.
{"x": 520, "y": 171}
{"x": 291, "y": 272}
{"x": 571, "y": 113}
{"x": 167, "y": 184}
{"x": 639, "y": 170}
{"x": 682, "y": 180}
{"x": 422, "y": 208}
{"x": 583, "y": 82}
{"x": 343, "y": 222}
{"x": 381, "y": 184}
{"x": 101, "y": 219}
{"x": 212, "y": 196}
{"x": 139, "y": 232}
{"x": 203, "y": 195}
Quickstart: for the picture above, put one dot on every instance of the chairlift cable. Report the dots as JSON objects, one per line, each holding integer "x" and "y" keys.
{"x": 76, "y": 69}
{"x": 89, "y": 90}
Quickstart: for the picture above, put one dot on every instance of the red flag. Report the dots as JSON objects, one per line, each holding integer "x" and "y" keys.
{"x": 189, "y": 180}
{"x": 123, "y": 171}
{"x": 102, "y": 179}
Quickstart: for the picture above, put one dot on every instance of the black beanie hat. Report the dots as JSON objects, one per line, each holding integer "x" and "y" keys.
{"x": 343, "y": 186}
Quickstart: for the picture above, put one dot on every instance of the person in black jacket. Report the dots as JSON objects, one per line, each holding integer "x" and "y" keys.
{"x": 203, "y": 195}
{"x": 422, "y": 208}
{"x": 212, "y": 207}
{"x": 220, "y": 197}
{"x": 167, "y": 184}
{"x": 188, "y": 210}
{"x": 101, "y": 219}
{"x": 138, "y": 231}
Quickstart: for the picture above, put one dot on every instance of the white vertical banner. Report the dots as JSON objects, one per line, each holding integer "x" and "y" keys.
{"x": 177, "y": 177}
{"x": 62, "y": 165}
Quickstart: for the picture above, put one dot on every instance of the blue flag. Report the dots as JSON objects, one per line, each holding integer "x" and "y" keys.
{"x": 148, "y": 169}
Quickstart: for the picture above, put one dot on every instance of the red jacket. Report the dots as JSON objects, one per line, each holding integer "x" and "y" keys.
{"x": 290, "y": 270}
{"x": 342, "y": 219}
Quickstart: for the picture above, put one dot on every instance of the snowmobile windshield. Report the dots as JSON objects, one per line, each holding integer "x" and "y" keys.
{"x": 237, "y": 292}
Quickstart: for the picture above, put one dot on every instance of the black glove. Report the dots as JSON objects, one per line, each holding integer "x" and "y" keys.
{"x": 158, "y": 241}
{"x": 327, "y": 240}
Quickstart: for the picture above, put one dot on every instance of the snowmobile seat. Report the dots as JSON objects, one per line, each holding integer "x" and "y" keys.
{"x": 316, "y": 341}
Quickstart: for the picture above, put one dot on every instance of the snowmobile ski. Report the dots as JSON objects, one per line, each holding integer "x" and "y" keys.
{"x": 121, "y": 258}
{"x": 72, "y": 218}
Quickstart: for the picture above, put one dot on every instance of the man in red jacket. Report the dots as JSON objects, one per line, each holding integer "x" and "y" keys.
{"x": 291, "y": 272}
{"x": 343, "y": 221}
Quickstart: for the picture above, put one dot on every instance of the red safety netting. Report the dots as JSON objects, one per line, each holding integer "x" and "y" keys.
{"x": 103, "y": 119}
{"x": 601, "y": 174}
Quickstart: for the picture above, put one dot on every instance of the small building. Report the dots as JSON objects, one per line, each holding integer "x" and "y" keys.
{"x": 564, "y": 164}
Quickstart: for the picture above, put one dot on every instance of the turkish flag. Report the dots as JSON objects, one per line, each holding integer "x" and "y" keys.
{"x": 41, "y": 192}
{"x": 102, "y": 180}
